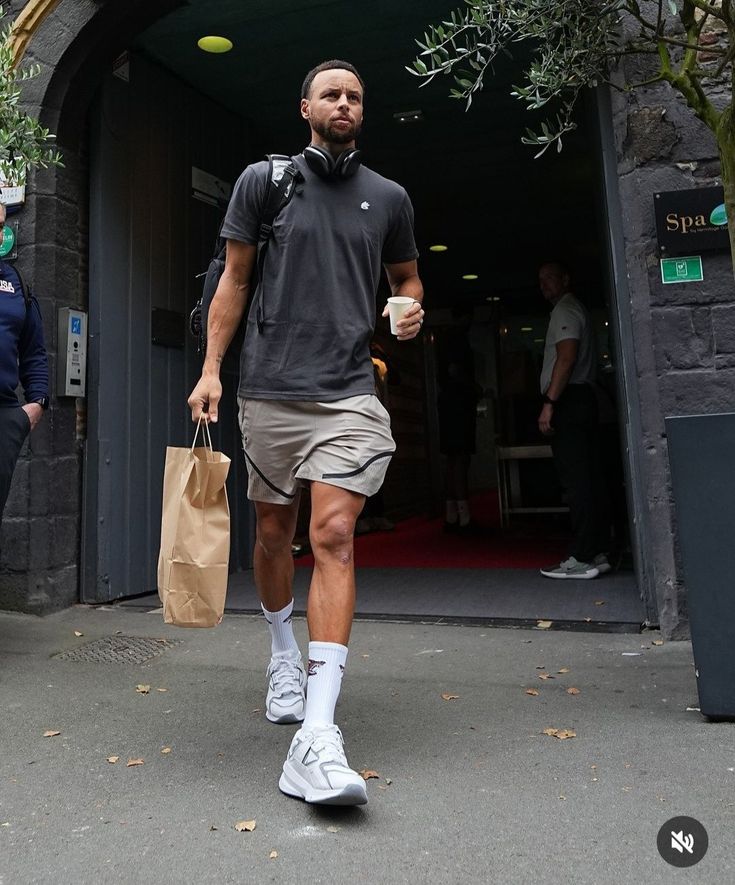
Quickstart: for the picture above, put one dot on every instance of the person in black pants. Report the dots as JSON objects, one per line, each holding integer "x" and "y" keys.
{"x": 569, "y": 418}
{"x": 22, "y": 360}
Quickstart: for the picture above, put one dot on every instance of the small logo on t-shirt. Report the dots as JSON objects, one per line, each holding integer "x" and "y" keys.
{"x": 365, "y": 205}
{"x": 6, "y": 286}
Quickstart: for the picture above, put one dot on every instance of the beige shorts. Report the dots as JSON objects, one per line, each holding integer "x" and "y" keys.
{"x": 287, "y": 444}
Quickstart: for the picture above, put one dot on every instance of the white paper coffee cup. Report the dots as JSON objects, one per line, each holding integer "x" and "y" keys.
{"x": 397, "y": 307}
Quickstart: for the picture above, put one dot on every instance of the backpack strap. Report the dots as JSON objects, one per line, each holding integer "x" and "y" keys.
{"x": 283, "y": 176}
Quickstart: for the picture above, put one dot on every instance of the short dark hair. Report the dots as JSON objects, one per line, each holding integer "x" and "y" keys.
{"x": 334, "y": 65}
{"x": 561, "y": 266}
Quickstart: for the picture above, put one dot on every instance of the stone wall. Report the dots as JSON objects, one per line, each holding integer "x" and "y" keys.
{"x": 684, "y": 334}
{"x": 40, "y": 533}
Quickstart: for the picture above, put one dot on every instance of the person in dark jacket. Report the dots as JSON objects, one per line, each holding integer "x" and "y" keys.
{"x": 22, "y": 360}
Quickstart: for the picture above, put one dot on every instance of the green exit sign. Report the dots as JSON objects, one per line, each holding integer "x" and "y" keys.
{"x": 682, "y": 270}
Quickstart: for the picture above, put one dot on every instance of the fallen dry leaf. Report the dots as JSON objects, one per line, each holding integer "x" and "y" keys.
{"x": 543, "y": 625}
{"x": 367, "y": 773}
{"x": 273, "y": 855}
{"x": 78, "y": 633}
{"x": 212, "y": 828}
{"x": 588, "y": 620}
{"x": 389, "y": 781}
{"x": 545, "y": 676}
{"x": 599, "y": 602}
{"x": 565, "y": 670}
{"x": 133, "y": 762}
{"x": 51, "y": 734}
{"x": 166, "y": 751}
{"x": 572, "y": 691}
{"x": 532, "y": 691}
{"x": 365, "y": 656}
{"x": 245, "y": 826}
{"x": 161, "y": 689}
{"x": 449, "y": 697}
{"x": 113, "y": 759}
{"x": 143, "y": 689}
{"x": 657, "y": 642}
{"x": 333, "y": 829}
{"x": 562, "y": 734}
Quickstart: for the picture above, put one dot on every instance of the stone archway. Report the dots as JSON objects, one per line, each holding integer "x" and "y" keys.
{"x": 73, "y": 41}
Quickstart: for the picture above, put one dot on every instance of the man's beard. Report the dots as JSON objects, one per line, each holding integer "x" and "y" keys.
{"x": 336, "y": 136}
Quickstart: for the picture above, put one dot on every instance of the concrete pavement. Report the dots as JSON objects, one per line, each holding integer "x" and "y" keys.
{"x": 470, "y": 789}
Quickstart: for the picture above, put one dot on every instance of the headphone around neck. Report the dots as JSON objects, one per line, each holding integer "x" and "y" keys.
{"x": 325, "y": 166}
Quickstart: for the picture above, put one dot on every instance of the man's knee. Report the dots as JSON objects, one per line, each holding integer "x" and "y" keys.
{"x": 333, "y": 535}
{"x": 275, "y": 529}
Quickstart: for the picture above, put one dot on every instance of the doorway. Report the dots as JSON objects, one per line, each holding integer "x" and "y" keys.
{"x": 475, "y": 190}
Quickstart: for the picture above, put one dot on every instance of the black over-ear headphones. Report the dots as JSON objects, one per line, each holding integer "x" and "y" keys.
{"x": 324, "y": 164}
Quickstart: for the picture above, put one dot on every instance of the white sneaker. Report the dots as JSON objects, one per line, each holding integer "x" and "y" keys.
{"x": 571, "y": 568}
{"x": 316, "y": 769}
{"x": 286, "y": 695}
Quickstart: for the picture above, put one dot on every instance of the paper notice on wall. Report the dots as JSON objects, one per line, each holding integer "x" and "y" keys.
{"x": 209, "y": 189}
{"x": 12, "y": 196}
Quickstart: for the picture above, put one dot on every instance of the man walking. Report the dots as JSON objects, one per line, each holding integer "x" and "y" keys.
{"x": 569, "y": 419}
{"x": 308, "y": 411}
{"x": 23, "y": 361}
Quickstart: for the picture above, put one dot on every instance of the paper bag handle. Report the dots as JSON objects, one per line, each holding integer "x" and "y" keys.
{"x": 206, "y": 438}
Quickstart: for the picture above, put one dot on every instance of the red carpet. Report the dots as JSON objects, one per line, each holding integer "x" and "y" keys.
{"x": 420, "y": 542}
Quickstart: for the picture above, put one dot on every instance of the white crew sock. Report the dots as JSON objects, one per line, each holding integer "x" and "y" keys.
{"x": 451, "y": 512}
{"x": 279, "y": 623}
{"x": 326, "y": 665}
{"x": 463, "y": 509}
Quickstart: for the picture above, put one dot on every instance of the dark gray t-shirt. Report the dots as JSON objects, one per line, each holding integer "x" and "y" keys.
{"x": 320, "y": 278}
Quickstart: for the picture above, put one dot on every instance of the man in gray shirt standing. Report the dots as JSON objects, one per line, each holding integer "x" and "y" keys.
{"x": 308, "y": 412}
{"x": 569, "y": 418}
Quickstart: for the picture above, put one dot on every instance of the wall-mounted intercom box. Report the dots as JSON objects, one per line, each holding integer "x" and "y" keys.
{"x": 71, "y": 365}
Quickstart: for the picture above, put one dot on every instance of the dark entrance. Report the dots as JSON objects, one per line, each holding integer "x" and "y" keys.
{"x": 474, "y": 187}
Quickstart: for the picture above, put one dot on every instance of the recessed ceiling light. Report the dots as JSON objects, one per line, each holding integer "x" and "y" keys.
{"x": 496, "y": 298}
{"x": 538, "y": 340}
{"x": 526, "y": 328}
{"x": 470, "y": 276}
{"x": 214, "y": 44}
{"x": 440, "y": 248}
{"x": 408, "y": 116}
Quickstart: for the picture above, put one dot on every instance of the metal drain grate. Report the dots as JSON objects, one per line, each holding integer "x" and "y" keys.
{"x": 118, "y": 650}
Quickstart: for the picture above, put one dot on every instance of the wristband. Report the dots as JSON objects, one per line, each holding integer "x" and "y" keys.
{"x": 549, "y": 400}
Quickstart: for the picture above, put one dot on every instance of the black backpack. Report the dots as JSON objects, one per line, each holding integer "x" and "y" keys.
{"x": 282, "y": 179}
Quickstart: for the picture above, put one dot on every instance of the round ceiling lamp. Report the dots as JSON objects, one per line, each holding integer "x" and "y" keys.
{"x": 438, "y": 247}
{"x": 214, "y": 44}
{"x": 470, "y": 276}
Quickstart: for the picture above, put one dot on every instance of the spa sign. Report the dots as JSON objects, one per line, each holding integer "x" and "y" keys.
{"x": 691, "y": 221}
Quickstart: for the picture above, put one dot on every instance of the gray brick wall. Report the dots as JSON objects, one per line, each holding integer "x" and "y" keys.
{"x": 684, "y": 334}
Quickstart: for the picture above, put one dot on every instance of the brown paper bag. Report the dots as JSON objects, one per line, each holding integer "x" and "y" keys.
{"x": 195, "y": 536}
